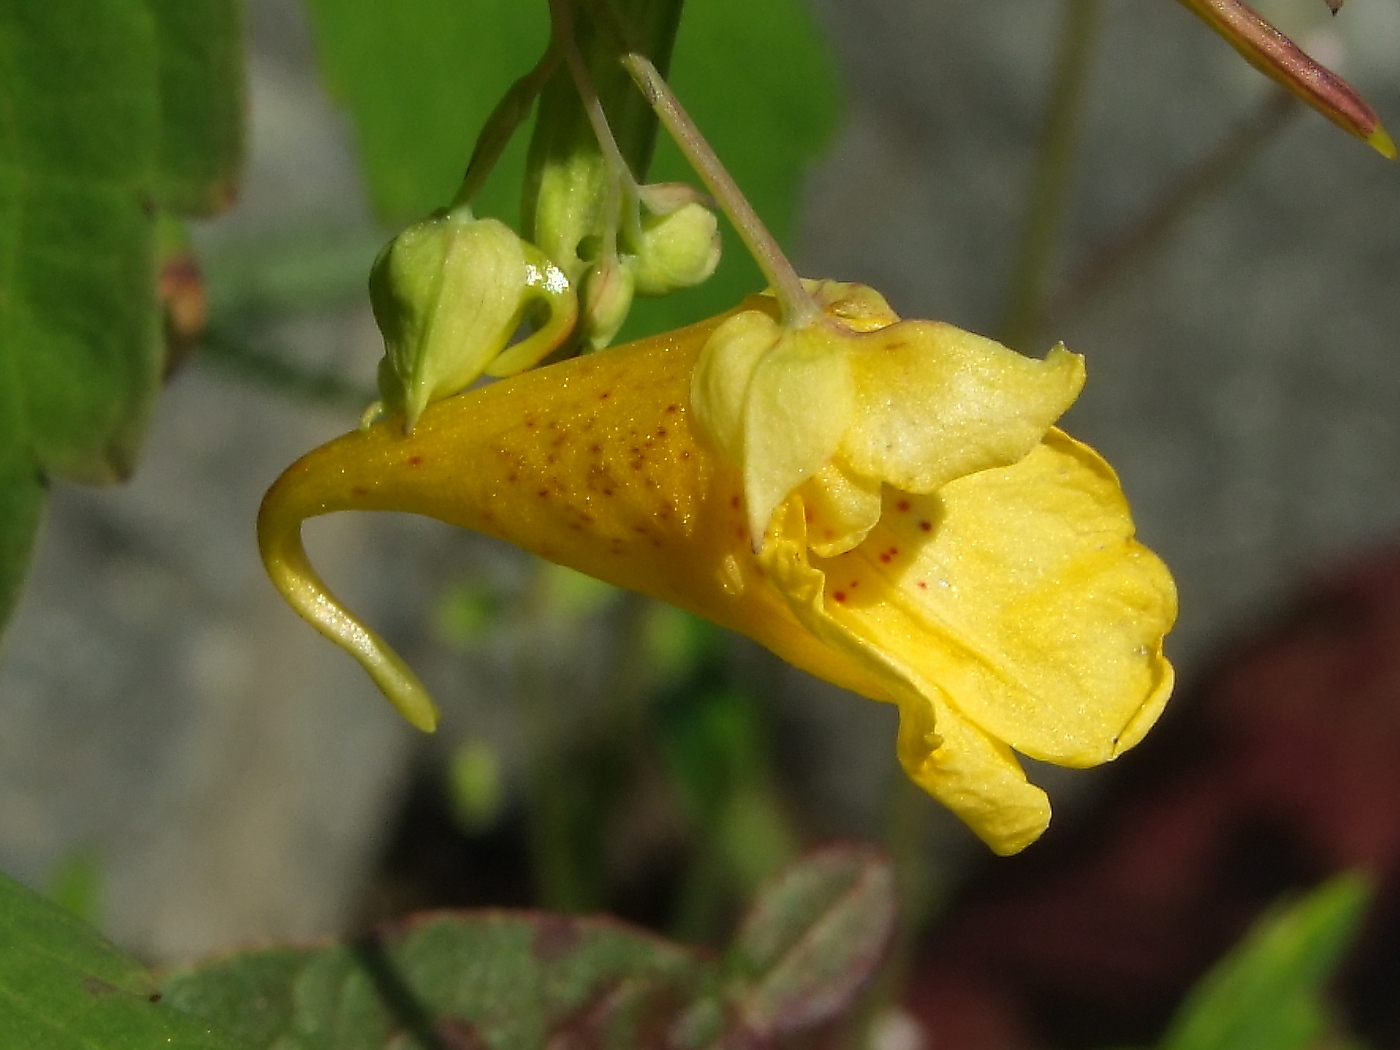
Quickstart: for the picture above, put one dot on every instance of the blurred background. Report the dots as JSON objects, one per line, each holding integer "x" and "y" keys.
{"x": 199, "y": 769}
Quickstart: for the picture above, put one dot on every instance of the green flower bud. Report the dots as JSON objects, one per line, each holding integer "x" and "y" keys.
{"x": 607, "y": 297}
{"x": 448, "y": 294}
{"x": 680, "y": 244}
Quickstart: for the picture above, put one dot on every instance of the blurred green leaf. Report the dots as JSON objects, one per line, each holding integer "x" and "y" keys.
{"x": 199, "y": 45}
{"x": 418, "y": 78}
{"x": 568, "y": 593}
{"x": 476, "y": 788}
{"x": 674, "y": 641}
{"x": 718, "y": 761}
{"x": 62, "y": 987}
{"x": 1265, "y": 995}
{"x": 467, "y": 612}
{"x": 485, "y": 980}
{"x": 21, "y": 504}
{"x": 109, "y": 111}
{"x": 811, "y": 940}
{"x": 523, "y": 980}
{"x": 75, "y": 885}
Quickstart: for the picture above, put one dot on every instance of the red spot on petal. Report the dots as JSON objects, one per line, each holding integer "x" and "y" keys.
{"x": 734, "y": 502}
{"x": 359, "y": 490}
{"x": 885, "y": 557}
{"x": 543, "y": 493}
{"x": 927, "y": 526}
{"x": 838, "y": 596}
{"x": 414, "y": 461}
{"x": 902, "y": 505}
{"x": 595, "y": 449}
{"x": 923, "y": 585}
{"x": 605, "y": 395}
{"x": 672, "y": 408}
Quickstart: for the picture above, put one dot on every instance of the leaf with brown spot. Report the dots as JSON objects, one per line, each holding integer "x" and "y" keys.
{"x": 811, "y": 940}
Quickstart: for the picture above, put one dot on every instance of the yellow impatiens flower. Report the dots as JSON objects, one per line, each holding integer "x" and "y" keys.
{"x": 924, "y": 536}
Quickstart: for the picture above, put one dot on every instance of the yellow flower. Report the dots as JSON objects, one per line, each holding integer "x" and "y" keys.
{"x": 940, "y": 547}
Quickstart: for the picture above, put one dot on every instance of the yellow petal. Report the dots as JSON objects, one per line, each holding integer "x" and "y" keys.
{"x": 1020, "y": 593}
{"x": 934, "y": 402}
{"x": 847, "y": 504}
{"x": 1017, "y": 599}
{"x": 975, "y": 776}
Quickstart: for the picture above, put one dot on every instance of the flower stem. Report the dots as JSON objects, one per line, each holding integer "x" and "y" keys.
{"x": 502, "y": 124}
{"x": 798, "y": 307}
{"x": 1046, "y": 199}
{"x": 622, "y": 185}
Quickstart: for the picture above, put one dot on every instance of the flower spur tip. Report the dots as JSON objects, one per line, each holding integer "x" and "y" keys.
{"x": 1382, "y": 143}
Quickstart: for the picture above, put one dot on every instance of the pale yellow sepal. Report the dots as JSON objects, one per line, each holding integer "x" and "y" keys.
{"x": 913, "y": 404}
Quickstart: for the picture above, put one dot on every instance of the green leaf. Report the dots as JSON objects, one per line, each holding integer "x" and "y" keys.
{"x": 811, "y": 940}
{"x": 508, "y": 980}
{"x": 62, "y": 987}
{"x": 199, "y": 44}
{"x": 419, "y": 78}
{"x": 484, "y": 980}
{"x": 109, "y": 111}
{"x": 1264, "y": 995}
{"x": 21, "y": 504}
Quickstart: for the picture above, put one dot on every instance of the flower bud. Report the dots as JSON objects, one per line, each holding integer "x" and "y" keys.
{"x": 680, "y": 247}
{"x": 448, "y": 293}
{"x": 607, "y": 297}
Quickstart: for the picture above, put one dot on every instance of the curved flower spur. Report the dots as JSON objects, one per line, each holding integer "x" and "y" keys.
{"x": 883, "y": 503}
